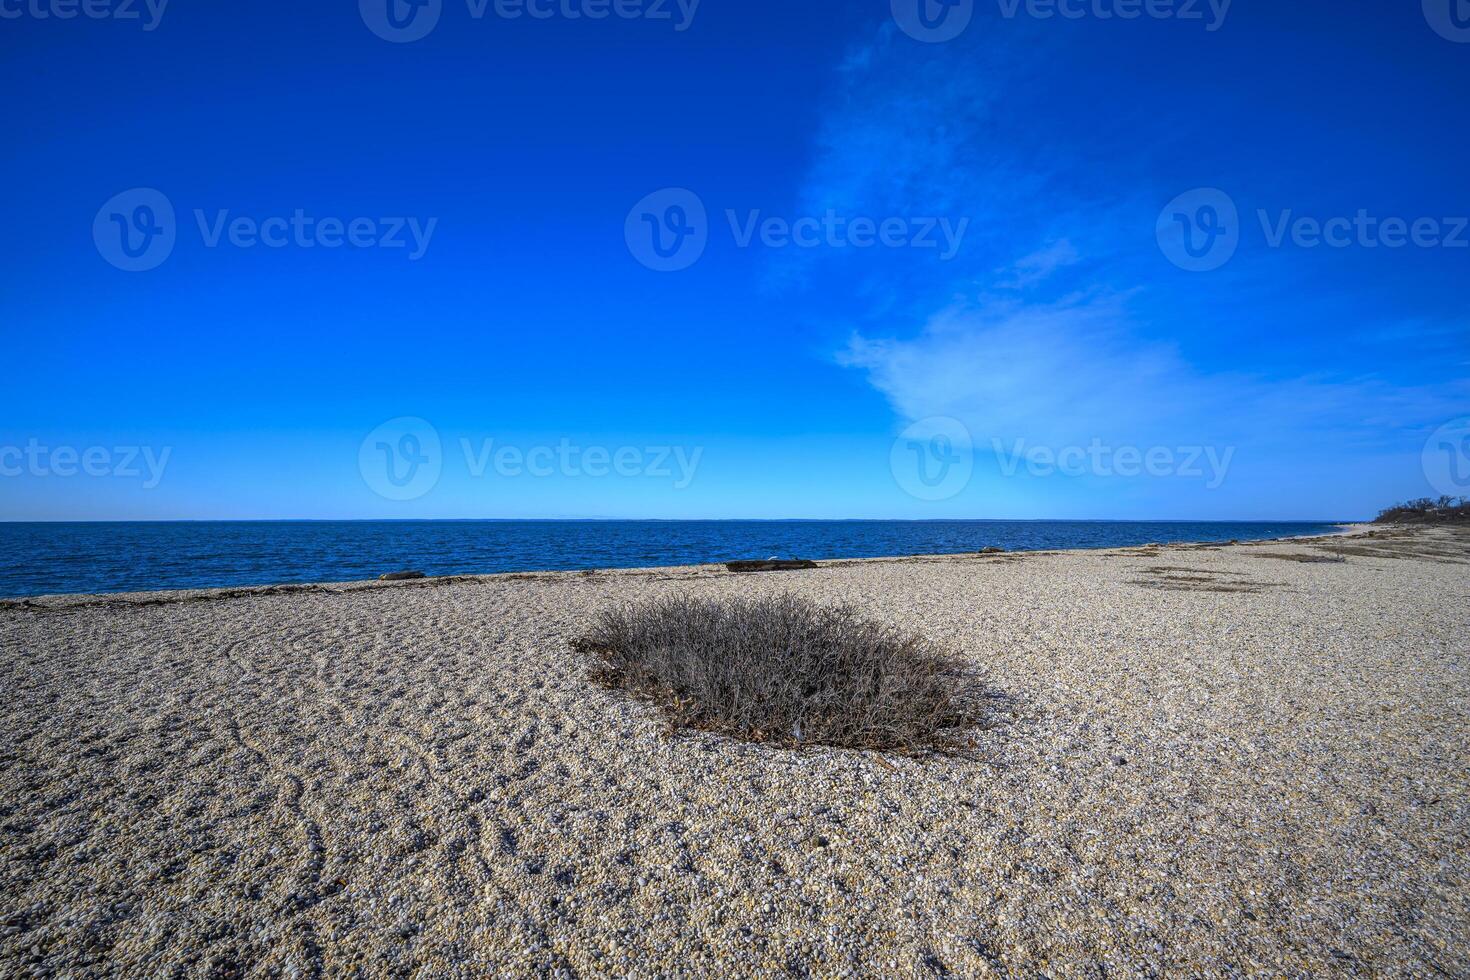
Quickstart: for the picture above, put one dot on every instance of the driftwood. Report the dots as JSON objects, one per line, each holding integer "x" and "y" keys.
{"x": 770, "y": 565}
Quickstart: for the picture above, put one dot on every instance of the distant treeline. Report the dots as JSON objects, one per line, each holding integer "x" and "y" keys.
{"x": 1427, "y": 510}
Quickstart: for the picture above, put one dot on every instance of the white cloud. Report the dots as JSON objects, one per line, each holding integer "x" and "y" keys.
{"x": 1039, "y": 265}
{"x": 1073, "y": 370}
{"x": 1051, "y": 347}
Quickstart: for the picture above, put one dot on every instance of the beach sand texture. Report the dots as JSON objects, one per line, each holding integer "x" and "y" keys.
{"x": 1216, "y": 760}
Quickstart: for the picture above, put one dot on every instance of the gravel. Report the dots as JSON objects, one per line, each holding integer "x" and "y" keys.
{"x": 1215, "y": 760}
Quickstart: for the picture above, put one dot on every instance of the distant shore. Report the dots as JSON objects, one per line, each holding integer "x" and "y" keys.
{"x": 1216, "y": 759}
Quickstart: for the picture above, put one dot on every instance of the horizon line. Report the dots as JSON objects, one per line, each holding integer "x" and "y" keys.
{"x": 694, "y": 520}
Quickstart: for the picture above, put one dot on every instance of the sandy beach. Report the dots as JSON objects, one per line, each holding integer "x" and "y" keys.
{"x": 1215, "y": 760}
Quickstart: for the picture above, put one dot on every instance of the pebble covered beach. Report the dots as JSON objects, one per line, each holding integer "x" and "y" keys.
{"x": 1208, "y": 760}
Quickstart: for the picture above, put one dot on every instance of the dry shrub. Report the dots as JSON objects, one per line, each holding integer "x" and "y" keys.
{"x": 784, "y": 670}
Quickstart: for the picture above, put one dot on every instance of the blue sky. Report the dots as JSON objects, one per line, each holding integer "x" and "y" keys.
{"x": 1022, "y": 337}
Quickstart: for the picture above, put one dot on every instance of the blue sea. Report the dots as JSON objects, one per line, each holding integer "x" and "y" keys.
{"x": 42, "y": 559}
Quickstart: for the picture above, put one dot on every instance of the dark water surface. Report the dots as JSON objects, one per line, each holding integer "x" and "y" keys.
{"x": 40, "y": 559}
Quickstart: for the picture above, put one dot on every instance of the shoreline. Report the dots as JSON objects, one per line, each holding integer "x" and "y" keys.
{"x": 63, "y": 600}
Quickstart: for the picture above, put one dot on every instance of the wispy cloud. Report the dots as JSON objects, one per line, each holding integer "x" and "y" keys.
{"x": 1065, "y": 325}
{"x": 1067, "y": 371}
{"x": 1039, "y": 265}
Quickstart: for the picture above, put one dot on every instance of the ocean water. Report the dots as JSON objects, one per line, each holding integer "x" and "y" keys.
{"x": 42, "y": 559}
